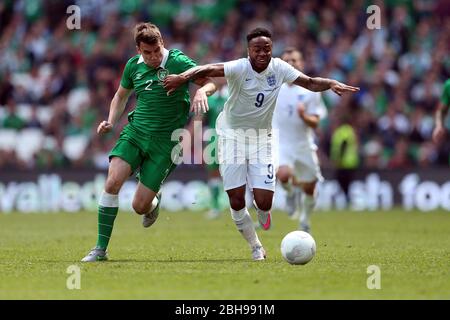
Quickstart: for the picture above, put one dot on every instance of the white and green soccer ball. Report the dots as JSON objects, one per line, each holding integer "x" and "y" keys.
{"x": 298, "y": 247}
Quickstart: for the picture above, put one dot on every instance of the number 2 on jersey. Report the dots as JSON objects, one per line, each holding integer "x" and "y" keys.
{"x": 149, "y": 84}
{"x": 259, "y": 100}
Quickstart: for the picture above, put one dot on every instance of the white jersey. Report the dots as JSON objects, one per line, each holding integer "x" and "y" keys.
{"x": 253, "y": 95}
{"x": 292, "y": 130}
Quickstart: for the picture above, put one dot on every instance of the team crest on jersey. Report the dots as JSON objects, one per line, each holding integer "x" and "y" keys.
{"x": 138, "y": 76}
{"x": 162, "y": 73}
{"x": 271, "y": 80}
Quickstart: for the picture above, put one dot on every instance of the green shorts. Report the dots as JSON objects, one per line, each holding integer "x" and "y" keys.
{"x": 151, "y": 155}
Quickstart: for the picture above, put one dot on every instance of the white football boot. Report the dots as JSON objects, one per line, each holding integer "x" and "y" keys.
{"x": 149, "y": 218}
{"x": 213, "y": 214}
{"x": 258, "y": 253}
{"x": 264, "y": 218}
{"x": 96, "y": 254}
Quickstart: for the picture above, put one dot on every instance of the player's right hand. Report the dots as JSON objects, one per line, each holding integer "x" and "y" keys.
{"x": 104, "y": 127}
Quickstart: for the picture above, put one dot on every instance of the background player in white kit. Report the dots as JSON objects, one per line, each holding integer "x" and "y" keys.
{"x": 297, "y": 114}
{"x": 253, "y": 83}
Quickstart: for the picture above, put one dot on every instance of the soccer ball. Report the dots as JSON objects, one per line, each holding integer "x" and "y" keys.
{"x": 298, "y": 247}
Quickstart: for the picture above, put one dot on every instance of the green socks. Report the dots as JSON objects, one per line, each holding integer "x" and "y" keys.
{"x": 214, "y": 187}
{"x": 107, "y": 212}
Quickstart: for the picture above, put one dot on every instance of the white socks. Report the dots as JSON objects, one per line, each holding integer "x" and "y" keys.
{"x": 109, "y": 200}
{"x": 214, "y": 182}
{"x": 308, "y": 205}
{"x": 244, "y": 223}
{"x": 154, "y": 204}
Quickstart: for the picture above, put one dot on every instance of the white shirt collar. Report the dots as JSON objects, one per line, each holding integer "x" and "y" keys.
{"x": 164, "y": 59}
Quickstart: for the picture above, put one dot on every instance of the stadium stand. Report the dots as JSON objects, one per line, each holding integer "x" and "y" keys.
{"x": 56, "y": 84}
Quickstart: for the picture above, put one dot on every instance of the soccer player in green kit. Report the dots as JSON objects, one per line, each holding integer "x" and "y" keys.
{"x": 441, "y": 113}
{"x": 145, "y": 142}
{"x": 215, "y": 103}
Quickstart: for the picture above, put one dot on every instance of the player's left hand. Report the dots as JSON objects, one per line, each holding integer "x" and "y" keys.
{"x": 340, "y": 88}
{"x": 172, "y": 82}
{"x": 200, "y": 102}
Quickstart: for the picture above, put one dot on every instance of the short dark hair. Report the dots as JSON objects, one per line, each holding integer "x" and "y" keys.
{"x": 258, "y": 32}
{"x": 146, "y": 32}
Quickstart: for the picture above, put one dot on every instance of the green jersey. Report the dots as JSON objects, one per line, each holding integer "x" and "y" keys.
{"x": 157, "y": 114}
{"x": 445, "y": 98}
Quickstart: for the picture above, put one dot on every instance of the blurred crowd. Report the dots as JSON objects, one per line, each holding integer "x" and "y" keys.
{"x": 57, "y": 83}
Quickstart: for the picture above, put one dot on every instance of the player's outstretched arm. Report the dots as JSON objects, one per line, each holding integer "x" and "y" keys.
{"x": 173, "y": 81}
{"x": 200, "y": 102}
{"x": 116, "y": 109}
{"x": 439, "y": 130}
{"x": 322, "y": 84}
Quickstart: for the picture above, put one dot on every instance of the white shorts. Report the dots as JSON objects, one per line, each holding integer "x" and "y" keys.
{"x": 303, "y": 161}
{"x": 247, "y": 162}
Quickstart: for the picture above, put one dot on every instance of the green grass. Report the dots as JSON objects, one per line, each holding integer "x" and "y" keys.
{"x": 184, "y": 256}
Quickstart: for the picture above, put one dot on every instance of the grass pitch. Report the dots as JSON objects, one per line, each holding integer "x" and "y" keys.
{"x": 184, "y": 256}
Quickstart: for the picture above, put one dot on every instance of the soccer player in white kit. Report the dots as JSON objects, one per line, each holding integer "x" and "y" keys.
{"x": 297, "y": 114}
{"x": 244, "y": 126}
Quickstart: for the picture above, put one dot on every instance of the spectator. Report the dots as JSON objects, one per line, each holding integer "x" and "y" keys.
{"x": 345, "y": 154}
{"x": 12, "y": 119}
{"x": 401, "y": 68}
{"x": 34, "y": 121}
{"x": 401, "y": 157}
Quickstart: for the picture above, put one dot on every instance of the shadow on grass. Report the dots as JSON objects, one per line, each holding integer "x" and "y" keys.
{"x": 179, "y": 260}
{"x": 145, "y": 261}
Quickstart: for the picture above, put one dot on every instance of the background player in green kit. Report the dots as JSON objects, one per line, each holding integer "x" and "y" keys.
{"x": 216, "y": 103}
{"x": 145, "y": 142}
{"x": 441, "y": 113}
